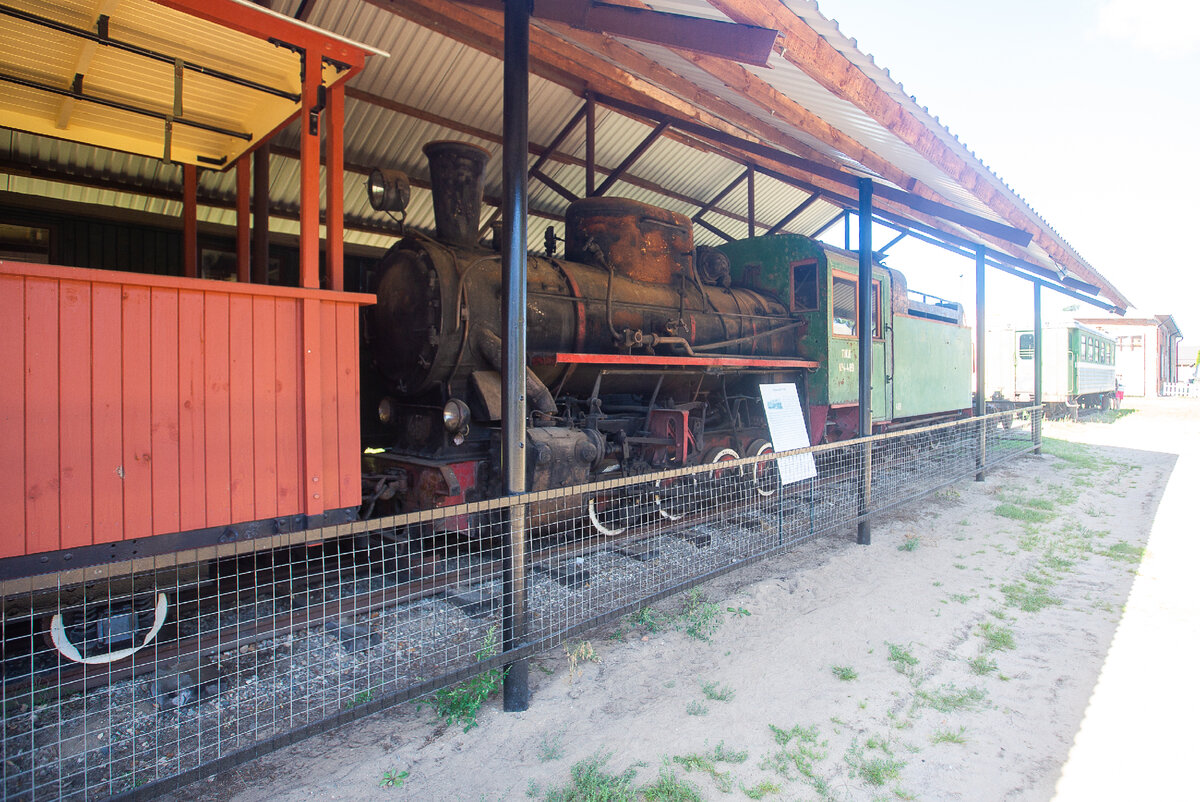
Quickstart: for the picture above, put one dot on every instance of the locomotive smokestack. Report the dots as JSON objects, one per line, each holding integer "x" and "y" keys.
{"x": 456, "y": 176}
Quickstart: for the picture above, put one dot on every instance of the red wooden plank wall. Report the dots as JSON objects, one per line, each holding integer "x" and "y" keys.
{"x": 135, "y": 405}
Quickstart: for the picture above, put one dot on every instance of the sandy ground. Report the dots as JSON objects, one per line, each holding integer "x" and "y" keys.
{"x": 981, "y": 657}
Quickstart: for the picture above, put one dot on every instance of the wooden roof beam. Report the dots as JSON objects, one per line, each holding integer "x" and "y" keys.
{"x": 807, "y": 50}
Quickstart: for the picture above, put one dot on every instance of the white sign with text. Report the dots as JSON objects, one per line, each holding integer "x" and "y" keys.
{"x": 785, "y": 419}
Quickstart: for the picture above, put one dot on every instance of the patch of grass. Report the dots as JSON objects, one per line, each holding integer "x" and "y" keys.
{"x": 1056, "y": 562}
{"x": 981, "y": 666}
{"x": 669, "y": 787}
{"x": 592, "y": 782}
{"x": 1123, "y": 552}
{"x": 1043, "y": 504}
{"x": 902, "y": 659}
{"x": 717, "y": 693}
{"x": 949, "y": 736}
{"x": 360, "y": 698}
{"x": 1029, "y": 599}
{"x": 761, "y": 790}
{"x": 393, "y": 779}
{"x": 844, "y": 673}
{"x": 460, "y": 704}
{"x": 1018, "y": 513}
{"x": 997, "y": 638}
{"x": 706, "y": 763}
{"x": 961, "y": 598}
{"x": 949, "y": 698}
{"x": 1076, "y": 455}
{"x": 695, "y": 708}
{"x": 911, "y": 543}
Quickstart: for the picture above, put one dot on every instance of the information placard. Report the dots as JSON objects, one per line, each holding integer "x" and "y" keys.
{"x": 785, "y": 419}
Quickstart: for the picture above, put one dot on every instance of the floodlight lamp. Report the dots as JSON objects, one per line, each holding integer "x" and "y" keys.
{"x": 388, "y": 190}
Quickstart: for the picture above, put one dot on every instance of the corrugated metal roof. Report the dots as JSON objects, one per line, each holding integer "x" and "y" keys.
{"x": 442, "y": 78}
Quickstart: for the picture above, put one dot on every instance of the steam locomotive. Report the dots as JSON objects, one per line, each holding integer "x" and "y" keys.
{"x": 645, "y": 351}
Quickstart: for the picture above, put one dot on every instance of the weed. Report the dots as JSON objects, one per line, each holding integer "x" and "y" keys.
{"x": 591, "y": 782}
{"x": 961, "y": 598}
{"x": 717, "y": 693}
{"x": 1044, "y": 504}
{"x": 982, "y": 666}
{"x": 460, "y": 704}
{"x": 1123, "y": 552}
{"x": 671, "y": 788}
{"x": 576, "y": 657}
{"x": 948, "y": 698}
{"x": 808, "y": 735}
{"x": 1031, "y": 600}
{"x": 997, "y": 638}
{"x": 875, "y": 771}
{"x": 964, "y": 522}
{"x": 701, "y": 618}
{"x": 911, "y": 542}
{"x": 960, "y": 566}
{"x": 695, "y": 708}
{"x": 949, "y": 736}
{"x": 726, "y": 755}
{"x": 648, "y": 619}
{"x": 550, "y": 749}
{"x": 761, "y": 790}
{"x": 393, "y": 779}
{"x": 1055, "y": 562}
{"x": 360, "y": 698}
{"x": 902, "y": 659}
{"x": 1077, "y": 456}
{"x": 1016, "y": 513}
{"x": 844, "y": 673}
{"x": 738, "y": 612}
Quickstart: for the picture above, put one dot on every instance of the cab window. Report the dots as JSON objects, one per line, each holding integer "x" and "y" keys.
{"x": 845, "y": 308}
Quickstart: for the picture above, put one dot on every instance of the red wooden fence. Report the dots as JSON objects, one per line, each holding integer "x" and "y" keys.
{"x": 135, "y": 405}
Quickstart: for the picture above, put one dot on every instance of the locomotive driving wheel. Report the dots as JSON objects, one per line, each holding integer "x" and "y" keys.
{"x": 611, "y": 513}
{"x": 110, "y": 630}
{"x": 671, "y": 496}
{"x": 765, "y": 479}
{"x": 720, "y": 483}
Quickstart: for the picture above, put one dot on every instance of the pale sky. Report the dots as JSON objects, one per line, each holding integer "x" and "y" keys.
{"x": 1088, "y": 109}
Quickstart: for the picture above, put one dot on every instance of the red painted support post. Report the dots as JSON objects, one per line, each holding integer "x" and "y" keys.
{"x": 190, "y": 254}
{"x": 243, "y": 218}
{"x": 334, "y": 175}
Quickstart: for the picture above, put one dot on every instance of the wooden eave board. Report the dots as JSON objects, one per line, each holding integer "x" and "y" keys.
{"x": 52, "y": 58}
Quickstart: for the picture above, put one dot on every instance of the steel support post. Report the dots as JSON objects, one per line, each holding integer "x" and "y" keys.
{"x": 750, "y": 200}
{"x": 191, "y": 255}
{"x": 866, "y": 326}
{"x": 515, "y": 202}
{"x": 980, "y": 362}
{"x": 260, "y": 243}
{"x": 589, "y": 160}
{"x": 242, "y": 169}
{"x": 1037, "y": 366}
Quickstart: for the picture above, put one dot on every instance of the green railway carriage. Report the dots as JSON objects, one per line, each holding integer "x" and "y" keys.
{"x": 920, "y": 353}
{"x": 1078, "y": 367}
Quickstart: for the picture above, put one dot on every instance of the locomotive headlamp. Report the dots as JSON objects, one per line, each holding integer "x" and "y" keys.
{"x": 388, "y": 190}
{"x": 387, "y": 410}
{"x": 455, "y": 414}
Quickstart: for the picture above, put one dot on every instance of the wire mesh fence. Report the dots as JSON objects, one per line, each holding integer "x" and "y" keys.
{"x": 131, "y": 678}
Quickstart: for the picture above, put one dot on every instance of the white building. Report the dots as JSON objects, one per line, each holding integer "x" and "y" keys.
{"x": 1147, "y": 351}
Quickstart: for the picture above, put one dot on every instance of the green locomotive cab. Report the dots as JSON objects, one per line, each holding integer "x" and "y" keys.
{"x": 920, "y": 352}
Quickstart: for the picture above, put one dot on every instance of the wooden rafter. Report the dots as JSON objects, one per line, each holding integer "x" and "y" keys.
{"x": 810, "y": 52}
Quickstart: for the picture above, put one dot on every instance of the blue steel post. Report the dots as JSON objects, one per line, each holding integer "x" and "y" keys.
{"x": 515, "y": 198}
{"x": 1037, "y": 366}
{"x": 866, "y": 325}
{"x": 980, "y": 365}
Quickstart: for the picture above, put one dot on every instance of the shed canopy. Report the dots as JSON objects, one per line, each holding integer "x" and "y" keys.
{"x": 737, "y": 147}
